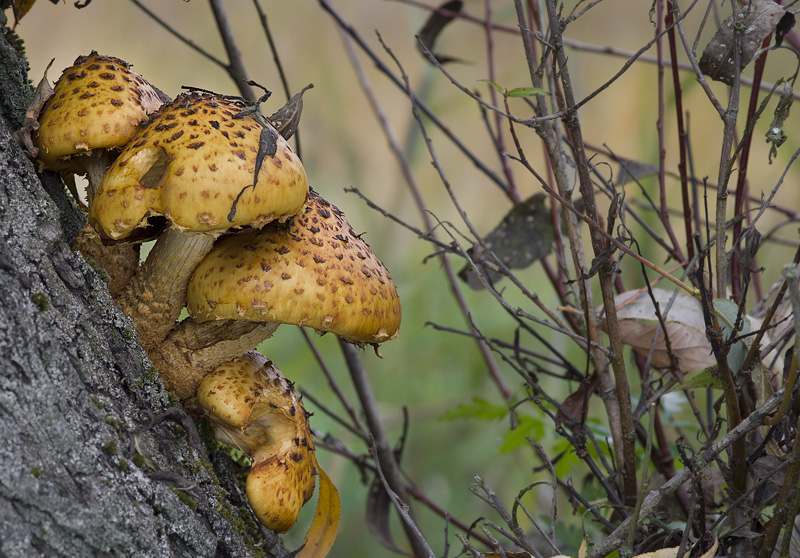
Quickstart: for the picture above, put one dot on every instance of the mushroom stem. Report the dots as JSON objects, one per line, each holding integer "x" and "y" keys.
{"x": 96, "y": 164}
{"x": 192, "y": 350}
{"x": 119, "y": 261}
{"x": 157, "y": 294}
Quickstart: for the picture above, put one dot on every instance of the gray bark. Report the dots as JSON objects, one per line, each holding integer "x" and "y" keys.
{"x": 75, "y": 384}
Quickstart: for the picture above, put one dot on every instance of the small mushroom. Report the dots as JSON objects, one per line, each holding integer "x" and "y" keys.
{"x": 312, "y": 271}
{"x": 205, "y": 166}
{"x": 97, "y": 105}
{"x": 254, "y": 408}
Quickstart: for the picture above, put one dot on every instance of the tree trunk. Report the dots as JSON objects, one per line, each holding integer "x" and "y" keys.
{"x": 75, "y": 385}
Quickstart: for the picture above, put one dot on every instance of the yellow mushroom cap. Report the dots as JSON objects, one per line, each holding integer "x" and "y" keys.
{"x": 313, "y": 271}
{"x": 190, "y": 162}
{"x": 255, "y": 408}
{"x": 98, "y": 103}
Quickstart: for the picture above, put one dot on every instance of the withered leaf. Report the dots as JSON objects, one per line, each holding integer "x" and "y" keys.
{"x": 752, "y": 24}
{"x": 434, "y": 26}
{"x": 638, "y": 324}
{"x": 524, "y": 235}
{"x": 378, "y": 506}
{"x": 287, "y": 118}
{"x": 31, "y": 123}
{"x": 571, "y": 411}
{"x": 634, "y": 171}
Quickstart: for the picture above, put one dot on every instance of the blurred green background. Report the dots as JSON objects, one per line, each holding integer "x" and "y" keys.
{"x": 428, "y": 372}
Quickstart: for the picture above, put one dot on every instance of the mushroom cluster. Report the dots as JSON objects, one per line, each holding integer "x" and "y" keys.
{"x": 241, "y": 242}
{"x": 79, "y": 127}
{"x": 254, "y": 408}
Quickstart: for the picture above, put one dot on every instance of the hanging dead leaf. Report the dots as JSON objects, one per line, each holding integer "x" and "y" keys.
{"x": 287, "y": 118}
{"x": 751, "y": 24}
{"x": 634, "y": 171}
{"x": 31, "y": 123}
{"x": 323, "y": 529}
{"x": 378, "y": 507}
{"x": 434, "y": 25}
{"x": 571, "y": 409}
{"x": 524, "y": 235}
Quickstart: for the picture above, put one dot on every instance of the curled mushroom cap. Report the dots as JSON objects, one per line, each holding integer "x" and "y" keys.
{"x": 195, "y": 163}
{"x": 313, "y": 271}
{"x": 98, "y": 103}
{"x": 255, "y": 408}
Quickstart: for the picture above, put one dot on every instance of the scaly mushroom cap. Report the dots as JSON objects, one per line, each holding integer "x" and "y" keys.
{"x": 98, "y": 103}
{"x": 190, "y": 162}
{"x": 313, "y": 271}
{"x": 255, "y": 408}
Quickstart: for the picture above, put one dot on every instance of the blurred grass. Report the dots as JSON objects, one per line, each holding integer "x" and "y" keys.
{"x": 427, "y": 371}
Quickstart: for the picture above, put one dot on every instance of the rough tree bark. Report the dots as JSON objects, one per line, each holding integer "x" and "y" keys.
{"x": 75, "y": 384}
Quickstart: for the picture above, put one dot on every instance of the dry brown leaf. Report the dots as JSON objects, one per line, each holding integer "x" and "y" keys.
{"x": 673, "y": 552}
{"x": 638, "y": 325}
{"x": 31, "y": 123}
{"x": 323, "y": 529}
{"x": 753, "y": 24}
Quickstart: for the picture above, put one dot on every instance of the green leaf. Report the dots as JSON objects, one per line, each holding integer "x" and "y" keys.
{"x": 526, "y": 427}
{"x": 526, "y": 92}
{"x": 499, "y": 89}
{"x": 478, "y": 409}
{"x": 727, "y": 312}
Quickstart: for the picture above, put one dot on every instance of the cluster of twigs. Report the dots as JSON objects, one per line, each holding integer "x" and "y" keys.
{"x": 709, "y": 255}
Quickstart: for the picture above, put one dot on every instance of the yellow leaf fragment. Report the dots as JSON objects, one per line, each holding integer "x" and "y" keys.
{"x": 322, "y": 531}
{"x": 21, "y": 7}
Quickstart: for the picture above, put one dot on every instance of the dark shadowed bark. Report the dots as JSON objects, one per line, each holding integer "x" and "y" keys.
{"x": 75, "y": 384}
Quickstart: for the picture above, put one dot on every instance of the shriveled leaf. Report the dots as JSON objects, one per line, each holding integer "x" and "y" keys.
{"x": 752, "y": 24}
{"x": 525, "y": 92}
{"x": 378, "y": 506}
{"x": 726, "y": 316}
{"x": 582, "y": 550}
{"x": 638, "y": 325}
{"x": 433, "y": 27}
{"x": 31, "y": 123}
{"x": 322, "y": 532}
{"x": 478, "y": 409}
{"x": 775, "y": 134}
{"x": 524, "y": 235}
{"x": 634, "y": 170}
{"x": 287, "y": 118}
{"x": 572, "y": 408}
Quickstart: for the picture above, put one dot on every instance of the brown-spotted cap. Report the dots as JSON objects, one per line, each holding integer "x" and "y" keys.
{"x": 98, "y": 103}
{"x": 312, "y": 271}
{"x": 195, "y": 162}
{"x": 254, "y": 407}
